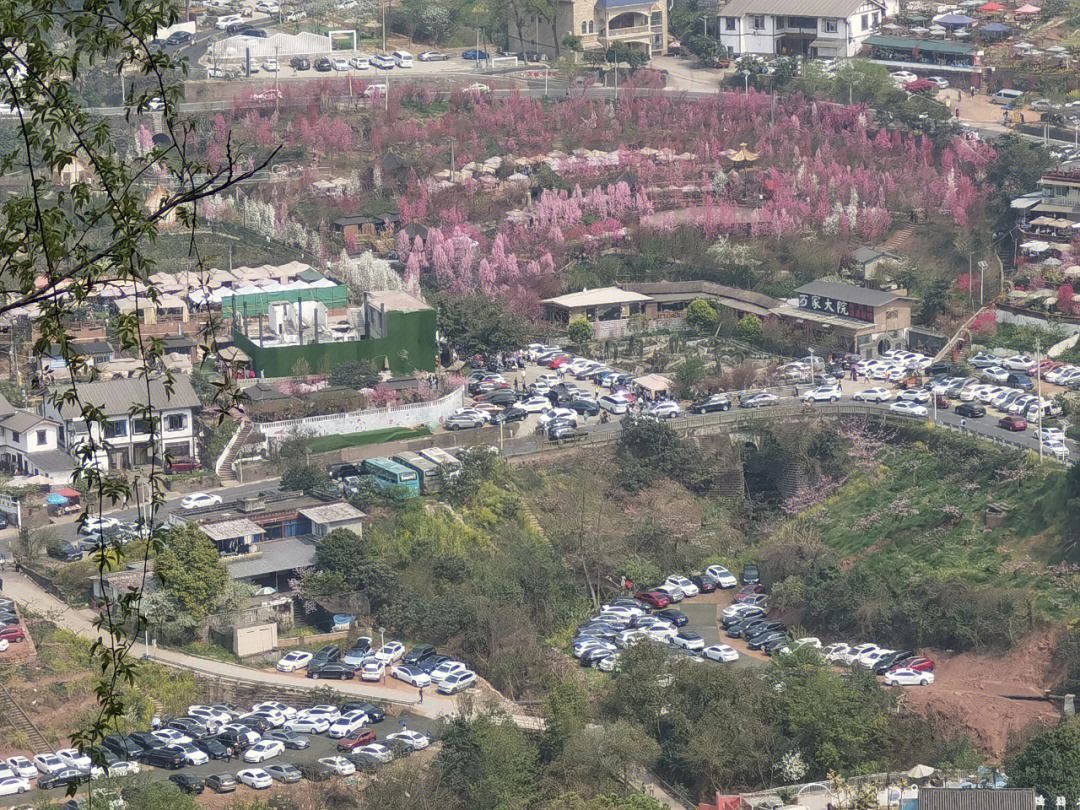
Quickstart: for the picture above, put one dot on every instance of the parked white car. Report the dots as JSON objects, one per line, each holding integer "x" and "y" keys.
{"x": 908, "y": 677}
{"x": 1018, "y": 362}
{"x": 414, "y": 739}
{"x": 49, "y": 763}
{"x": 823, "y": 393}
{"x": 613, "y": 404}
{"x": 308, "y": 725}
{"x": 255, "y": 778}
{"x": 390, "y": 652}
{"x": 909, "y": 409}
{"x": 873, "y": 394}
{"x": 721, "y": 652}
{"x": 23, "y": 767}
{"x": 457, "y": 682}
{"x": 380, "y": 753}
{"x": 673, "y": 592}
{"x": 414, "y": 676}
{"x": 372, "y": 670}
{"x": 74, "y": 758}
{"x": 272, "y": 705}
{"x": 191, "y": 754}
{"x": 853, "y": 653}
{"x": 836, "y": 653}
{"x": 11, "y": 785}
{"x": 687, "y": 587}
{"x": 723, "y": 577}
{"x": 446, "y": 668}
{"x": 667, "y": 409}
{"x": 340, "y": 765}
{"x": 347, "y": 724}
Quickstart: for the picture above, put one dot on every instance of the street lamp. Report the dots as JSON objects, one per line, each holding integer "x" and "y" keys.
{"x": 811, "y": 350}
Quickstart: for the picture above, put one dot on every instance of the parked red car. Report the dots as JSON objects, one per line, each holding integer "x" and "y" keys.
{"x": 919, "y": 663}
{"x": 182, "y": 464}
{"x": 943, "y": 402}
{"x": 362, "y": 737}
{"x": 654, "y": 598}
{"x": 1046, "y": 365}
{"x": 556, "y": 362}
{"x": 1013, "y": 423}
{"x": 746, "y": 591}
{"x": 12, "y": 634}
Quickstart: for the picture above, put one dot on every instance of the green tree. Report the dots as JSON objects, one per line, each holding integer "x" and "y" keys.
{"x": 749, "y": 329}
{"x": 189, "y": 567}
{"x": 1050, "y": 763}
{"x": 480, "y": 325}
{"x": 301, "y": 368}
{"x": 704, "y": 48}
{"x": 702, "y": 315}
{"x": 487, "y": 764}
{"x": 689, "y": 373}
{"x": 1017, "y": 169}
{"x": 305, "y": 478}
{"x": 148, "y": 795}
{"x": 361, "y": 374}
{"x": 565, "y": 713}
{"x": 580, "y": 331}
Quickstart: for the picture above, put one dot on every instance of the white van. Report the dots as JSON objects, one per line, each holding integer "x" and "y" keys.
{"x": 404, "y": 59}
{"x": 1006, "y": 96}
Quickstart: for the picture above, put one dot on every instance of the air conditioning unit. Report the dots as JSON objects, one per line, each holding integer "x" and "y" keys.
{"x": 252, "y": 504}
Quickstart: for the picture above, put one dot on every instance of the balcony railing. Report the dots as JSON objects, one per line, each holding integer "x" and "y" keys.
{"x": 635, "y": 30}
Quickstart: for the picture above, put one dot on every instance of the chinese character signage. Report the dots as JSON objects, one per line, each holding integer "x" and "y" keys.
{"x": 833, "y": 306}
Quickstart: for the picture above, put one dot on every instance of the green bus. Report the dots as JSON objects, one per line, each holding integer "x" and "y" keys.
{"x": 431, "y": 477}
{"x": 389, "y": 474}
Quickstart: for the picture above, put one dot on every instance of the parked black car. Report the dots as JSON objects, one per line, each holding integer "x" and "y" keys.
{"x": 65, "y": 778}
{"x": 339, "y": 471}
{"x": 188, "y": 783}
{"x": 300, "y": 63}
{"x": 251, "y": 31}
{"x": 586, "y": 407}
{"x": 970, "y": 410}
{"x": 324, "y": 656}
{"x": 323, "y": 65}
{"x": 124, "y": 747}
{"x": 179, "y": 38}
{"x": 418, "y": 654}
{"x": 886, "y": 662}
{"x": 772, "y": 645}
{"x": 343, "y": 672}
{"x": 316, "y": 771}
{"x": 429, "y": 663}
{"x": 375, "y": 714}
{"x": 758, "y": 642}
{"x": 760, "y": 631}
{"x": 676, "y": 617}
{"x": 751, "y": 575}
{"x": 705, "y": 583}
{"x": 144, "y": 739}
{"x": 212, "y": 747}
{"x": 713, "y": 404}
{"x": 162, "y": 758}
{"x": 193, "y": 728}
{"x": 235, "y": 740}
{"x": 502, "y": 396}
{"x": 291, "y": 739}
{"x": 256, "y": 723}
{"x": 511, "y": 414}
{"x": 221, "y": 783}
{"x": 65, "y": 553}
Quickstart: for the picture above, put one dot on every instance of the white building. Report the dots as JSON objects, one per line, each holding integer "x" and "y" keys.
{"x": 821, "y": 28}
{"x": 640, "y": 24}
{"x": 29, "y": 445}
{"x": 128, "y": 437}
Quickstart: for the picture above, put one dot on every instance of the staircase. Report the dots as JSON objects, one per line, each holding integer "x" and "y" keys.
{"x": 530, "y": 518}
{"x": 13, "y": 713}
{"x": 223, "y": 467}
{"x": 899, "y": 239}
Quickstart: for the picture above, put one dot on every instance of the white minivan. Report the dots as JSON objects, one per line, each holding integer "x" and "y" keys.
{"x": 404, "y": 59}
{"x": 1006, "y": 96}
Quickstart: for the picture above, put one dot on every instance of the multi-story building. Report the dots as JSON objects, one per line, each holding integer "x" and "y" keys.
{"x": 641, "y": 24}
{"x": 822, "y": 28}
{"x": 1051, "y": 215}
{"x": 29, "y": 445}
{"x": 128, "y": 440}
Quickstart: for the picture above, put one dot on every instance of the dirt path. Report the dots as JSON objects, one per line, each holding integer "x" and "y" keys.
{"x": 973, "y": 692}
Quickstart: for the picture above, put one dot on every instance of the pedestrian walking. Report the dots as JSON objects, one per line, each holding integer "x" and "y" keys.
{"x": 959, "y": 96}
{"x": 17, "y": 565}
{"x": 972, "y": 90}
{"x": 421, "y": 696}
{"x": 229, "y": 754}
{"x": 958, "y": 114}
{"x": 796, "y": 395}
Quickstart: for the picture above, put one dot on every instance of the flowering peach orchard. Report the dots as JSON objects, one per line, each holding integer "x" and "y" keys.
{"x": 822, "y": 168}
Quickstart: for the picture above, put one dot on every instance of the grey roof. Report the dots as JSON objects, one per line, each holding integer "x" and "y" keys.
{"x": 654, "y": 289}
{"x": 264, "y": 392}
{"x": 116, "y": 397}
{"x": 51, "y": 461}
{"x": 623, "y": 3}
{"x": 866, "y": 254}
{"x": 332, "y": 513}
{"x": 796, "y": 8}
{"x": 231, "y": 529}
{"x": 275, "y": 556}
{"x": 21, "y": 421}
{"x": 931, "y": 798}
{"x": 850, "y": 293}
{"x": 5, "y": 406}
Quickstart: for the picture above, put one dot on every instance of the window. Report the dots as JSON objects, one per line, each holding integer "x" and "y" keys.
{"x": 877, "y": 18}
{"x": 141, "y": 426}
{"x": 830, "y": 26}
{"x": 780, "y": 22}
{"x": 115, "y": 429}
{"x": 41, "y": 439}
{"x": 592, "y": 30}
{"x": 175, "y": 421}
{"x": 657, "y": 19}
{"x": 758, "y": 22}
{"x": 15, "y": 435}
{"x": 584, "y": 27}
{"x": 865, "y": 22}
{"x": 729, "y": 23}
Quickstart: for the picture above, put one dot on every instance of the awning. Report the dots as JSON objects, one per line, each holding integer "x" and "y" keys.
{"x": 56, "y": 499}
{"x": 653, "y": 383}
{"x": 991, "y": 8}
{"x": 1024, "y": 203}
{"x": 1027, "y": 9}
{"x": 825, "y": 44}
{"x": 68, "y": 492}
{"x": 1035, "y": 246}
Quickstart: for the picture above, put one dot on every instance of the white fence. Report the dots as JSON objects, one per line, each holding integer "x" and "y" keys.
{"x": 418, "y": 413}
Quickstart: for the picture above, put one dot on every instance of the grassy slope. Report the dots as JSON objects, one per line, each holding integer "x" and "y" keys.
{"x": 324, "y": 444}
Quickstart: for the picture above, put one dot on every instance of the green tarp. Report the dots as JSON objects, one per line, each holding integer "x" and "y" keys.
{"x": 923, "y": 45}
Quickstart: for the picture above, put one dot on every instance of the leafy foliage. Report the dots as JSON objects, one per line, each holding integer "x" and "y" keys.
{"x": 190, "y": 569}
{"x": 479, "y": 325}
{"x": 580, "y": 331}
{"x": 702, "y": 315}
{"x": 1050, "y": 763}
{"x": 306, "y": 478}
{"x": 360, "y": 374}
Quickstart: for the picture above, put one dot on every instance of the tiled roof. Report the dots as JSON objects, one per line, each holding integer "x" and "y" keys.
{"x": 116, "y": 397}
{"x": 274, "y": 556}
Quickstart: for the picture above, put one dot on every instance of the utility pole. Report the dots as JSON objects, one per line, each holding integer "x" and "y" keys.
{"x": 277, "y": 89}
{"x": 383, "y": 7}
{"x": 453, "y": 163}
{"x": 1038, "y": 384}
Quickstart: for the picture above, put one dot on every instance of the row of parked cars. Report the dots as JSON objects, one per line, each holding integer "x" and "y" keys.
{"x": 421, "y": 666}
{"x": 648, "y": 616}
{"x": 220, "y": 732}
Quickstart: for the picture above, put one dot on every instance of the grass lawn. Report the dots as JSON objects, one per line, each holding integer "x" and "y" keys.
{"x": 324, "y": 444}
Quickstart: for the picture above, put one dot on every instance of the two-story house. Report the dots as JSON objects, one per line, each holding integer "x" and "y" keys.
{"x": 128, "y": 438}
{"x": 29, "y": 445}
{"x": 821, "y": 28}
{"x": 1051, "y": 214}
{"x": 641, "y": 24}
